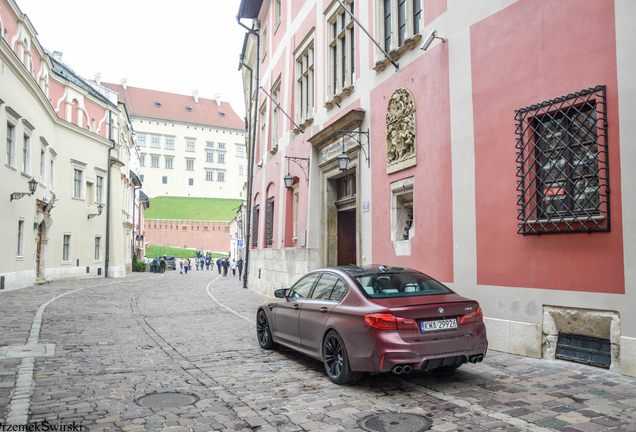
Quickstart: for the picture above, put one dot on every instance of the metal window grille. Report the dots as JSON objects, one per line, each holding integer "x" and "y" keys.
{"x": 562, "y": 172}
{"x": 269, "y": 221}
{"x": 255, "y": 212}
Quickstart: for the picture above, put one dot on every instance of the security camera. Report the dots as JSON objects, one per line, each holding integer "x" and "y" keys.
{"x": 430, "y": 38}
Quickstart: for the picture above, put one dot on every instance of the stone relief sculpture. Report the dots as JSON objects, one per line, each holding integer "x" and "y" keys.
{"x": 400, "y": 131}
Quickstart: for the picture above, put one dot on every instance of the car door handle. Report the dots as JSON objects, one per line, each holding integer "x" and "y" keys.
{"x": 296, "y": 306}
{"x": 324, "y": 310}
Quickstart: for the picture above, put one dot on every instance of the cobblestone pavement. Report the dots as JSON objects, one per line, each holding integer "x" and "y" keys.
{"x": 116, "y": 340}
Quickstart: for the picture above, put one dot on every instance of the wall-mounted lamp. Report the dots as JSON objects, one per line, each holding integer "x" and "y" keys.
{"x": 343, "y": 158}
{"x": 288, "y": 179}
{"x": 33, "y": 185}
{"x": 99, "y": 212}
{"x": 430, "y": 38}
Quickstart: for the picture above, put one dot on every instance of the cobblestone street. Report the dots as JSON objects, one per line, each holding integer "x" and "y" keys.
{"x": 90, "y": 354}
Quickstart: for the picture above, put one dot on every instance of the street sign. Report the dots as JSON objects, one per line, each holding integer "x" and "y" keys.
{"x": 239, "y": 243}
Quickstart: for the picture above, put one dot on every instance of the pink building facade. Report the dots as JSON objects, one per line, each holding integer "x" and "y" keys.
{"x": 496, "y": 158}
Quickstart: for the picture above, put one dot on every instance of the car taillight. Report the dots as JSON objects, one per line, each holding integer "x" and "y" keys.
{"x": 472, "y": 317}
{"x": 389, "y": 322}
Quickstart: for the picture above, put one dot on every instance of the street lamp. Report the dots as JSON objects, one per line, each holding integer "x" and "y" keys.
{"x": 288, "y": 179}
{"x": 99, "y": 212}
{"x": 33, "y": 185}
{"x": 343, "y": 160}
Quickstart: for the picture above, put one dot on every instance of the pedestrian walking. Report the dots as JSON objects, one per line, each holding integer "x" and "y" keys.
{"x": 191, "y": 264}
{"x": 239, "y": 266}
{"x": 186, "y": 265}
{"x": 196, "y": 262}
{"x": 233, "y": 267}
{"x": 226, "y": 265}
{"x": 207, "y": 263}
{"x": 181, "y": 266}
{"x": 163, "y": 265}
{"x": 155, "y": 262}
{"x": 218, "y": 264}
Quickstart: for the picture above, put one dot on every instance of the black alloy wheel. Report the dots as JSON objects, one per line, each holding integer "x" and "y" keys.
{"x": 263, "y": 332}
{"x": 336, "y": 360}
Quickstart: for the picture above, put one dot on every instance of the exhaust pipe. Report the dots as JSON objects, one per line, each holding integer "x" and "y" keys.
{"x": 476, "y": 359}
{"x": 406, "y": 369}
{"x": 397, "y": 369}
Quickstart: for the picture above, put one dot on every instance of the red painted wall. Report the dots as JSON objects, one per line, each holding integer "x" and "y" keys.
{"x": 521, "y": 56}
{"x": 171, "y": 233}
{"x": 433, "y": 9}
{"x": 432, "y": 246}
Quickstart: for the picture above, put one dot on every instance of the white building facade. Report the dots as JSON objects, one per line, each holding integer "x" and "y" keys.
{"x": 188, "y": 146}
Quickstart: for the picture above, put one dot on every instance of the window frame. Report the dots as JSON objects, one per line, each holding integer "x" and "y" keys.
{"x": 97, "y": 250}
{"x": 220, "y": 175}
{"x": 269, "y": 220}
{"x": 155, "y": 141}
{"x": 189, "y": 164}
{"x": 190, "y": 145}
{"x": 67, "y": 248}
{"x": 340, "y": 79}
{"x": 141, "y": 140}
{"x": 26, "y": 150}
{"x": 11, "y": 148}
{"x": 304, "y": 60}
{"x": 168, "y": 162}
{"x": 43, "y": 160}
{"x": 537, "y": 144}
{"x": 154, "y": 161}
{"x": 99, "y": 187}
{"x": 275, "y": 92}
{"x": 388, "y": 24}
{"x": 209, "y": 157}
{"x": 75, "y": 168}
{"x": 169, "y": 143}
{"x": 19, "y": 255}
{"x": 209, "y": 174}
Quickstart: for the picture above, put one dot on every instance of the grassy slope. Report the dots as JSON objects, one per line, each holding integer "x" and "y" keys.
{"x": 188, "y": 208}
{"x": 153, "y": 252}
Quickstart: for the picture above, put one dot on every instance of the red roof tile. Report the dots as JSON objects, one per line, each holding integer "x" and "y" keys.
{"x": 142, "y": 103}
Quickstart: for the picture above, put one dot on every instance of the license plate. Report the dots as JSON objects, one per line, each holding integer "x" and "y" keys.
{"x": 447, "y": 324}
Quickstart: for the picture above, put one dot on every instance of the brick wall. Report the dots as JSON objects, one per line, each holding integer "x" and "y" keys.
{"x": 206, "y": 235}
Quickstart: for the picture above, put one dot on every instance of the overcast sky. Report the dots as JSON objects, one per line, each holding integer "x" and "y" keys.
{"x": 169, "y": 46}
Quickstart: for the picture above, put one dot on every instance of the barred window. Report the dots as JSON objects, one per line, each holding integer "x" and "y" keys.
{"x": 269, "y": 221}
{"x": 255, "y": 213}
{"x": 562, "y": 165}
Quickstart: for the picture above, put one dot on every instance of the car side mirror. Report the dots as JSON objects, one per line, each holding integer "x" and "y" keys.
{"x": 281, "y": 293}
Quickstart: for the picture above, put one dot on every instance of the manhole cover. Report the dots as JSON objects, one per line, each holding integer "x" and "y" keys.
{"x": 166, "y": 400}
{"x": 395, "y": 422}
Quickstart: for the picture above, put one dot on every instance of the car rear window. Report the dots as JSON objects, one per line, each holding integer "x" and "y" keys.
{"x": 402, "y": 284}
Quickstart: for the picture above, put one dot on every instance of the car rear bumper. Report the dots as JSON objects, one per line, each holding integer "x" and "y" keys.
{"x": 386, "y": 349}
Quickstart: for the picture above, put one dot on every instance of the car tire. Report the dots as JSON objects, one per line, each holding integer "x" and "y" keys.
{"x": 336, "y": 360}
{"x": 263, "y": 331}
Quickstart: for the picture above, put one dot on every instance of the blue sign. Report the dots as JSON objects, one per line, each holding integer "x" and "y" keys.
{"x": 366, "y": 206}
{"x": 239, "y": 243}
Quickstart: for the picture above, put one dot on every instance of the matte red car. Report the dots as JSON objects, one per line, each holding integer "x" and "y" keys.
{"x": 373, "y": 319}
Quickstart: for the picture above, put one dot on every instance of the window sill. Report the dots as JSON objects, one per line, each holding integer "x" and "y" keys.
{"x": 27, "y": 175}
{"x": 339, "y": 97}
{"x": 19, "y": 258}
{"x": 10, "y": 167}
{"x": 304, "y": 125}
{"x": 78, "y": 199}
{"x": 408, "y": 45}
{"x": 581, "y": 219}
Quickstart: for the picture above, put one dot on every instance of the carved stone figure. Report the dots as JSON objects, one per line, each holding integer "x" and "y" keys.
{"x": 400, "y": 130}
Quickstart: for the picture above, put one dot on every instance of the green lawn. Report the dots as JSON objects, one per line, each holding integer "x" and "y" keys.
{"x": 188, "y": 208}
{"x": 153, "y": 252}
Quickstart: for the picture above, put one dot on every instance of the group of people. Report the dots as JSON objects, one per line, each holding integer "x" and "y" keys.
{"x": 200, "y": 261}
{"x": 159, "y": 265}
{"x": 225, "y": 264}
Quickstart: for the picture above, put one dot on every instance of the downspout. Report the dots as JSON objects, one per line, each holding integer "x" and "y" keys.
{"x": 110, "y": 137}
{"x": 250, "y": 168}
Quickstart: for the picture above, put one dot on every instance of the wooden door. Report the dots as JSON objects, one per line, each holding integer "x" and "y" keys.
{"x": 347, "y": 238}
{"x": 38, "y": 252}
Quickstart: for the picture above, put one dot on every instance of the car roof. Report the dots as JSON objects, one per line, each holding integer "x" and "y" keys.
{"x": 370, "y": 269}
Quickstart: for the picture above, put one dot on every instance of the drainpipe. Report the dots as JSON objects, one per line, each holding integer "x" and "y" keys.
{"x": 250, "y": 166}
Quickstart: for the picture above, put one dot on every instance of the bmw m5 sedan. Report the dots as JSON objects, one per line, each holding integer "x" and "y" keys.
{"x": 373, "y": 319}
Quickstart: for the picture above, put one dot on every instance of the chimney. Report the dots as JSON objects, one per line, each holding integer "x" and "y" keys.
{"x": 195, "y": 95}
{"x": 57, "y": 55}
{"x": 98, "y": 78}
{"x": 124, "y": 83}
{"x": 217, "y": 98}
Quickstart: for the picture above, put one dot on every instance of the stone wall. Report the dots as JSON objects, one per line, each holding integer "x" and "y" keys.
{"x": 201, "y": 235}
{"x": 272, "y": 269}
